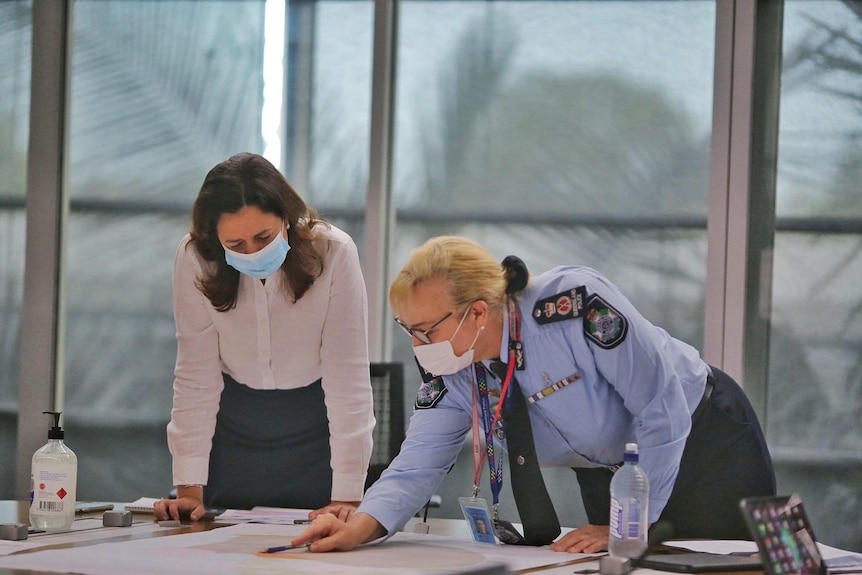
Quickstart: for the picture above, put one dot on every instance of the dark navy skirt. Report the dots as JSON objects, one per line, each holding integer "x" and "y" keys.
{"x": 271, "y": 448}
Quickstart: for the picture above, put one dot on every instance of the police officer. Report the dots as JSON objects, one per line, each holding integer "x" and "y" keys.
{"x": 596, "y": 375}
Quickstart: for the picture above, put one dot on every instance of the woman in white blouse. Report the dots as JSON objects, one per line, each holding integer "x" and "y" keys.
{"x": 272, "y": 394}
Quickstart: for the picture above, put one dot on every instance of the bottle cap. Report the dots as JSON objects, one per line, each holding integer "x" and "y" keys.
{"x": 631, "y": 447}
{"x": 55, "y": 432}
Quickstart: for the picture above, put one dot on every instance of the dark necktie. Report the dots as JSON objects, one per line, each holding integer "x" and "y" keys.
{"x": 538, "y": 517}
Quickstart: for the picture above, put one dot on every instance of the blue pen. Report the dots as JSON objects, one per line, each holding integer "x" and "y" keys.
{"x": 286, "y": 548}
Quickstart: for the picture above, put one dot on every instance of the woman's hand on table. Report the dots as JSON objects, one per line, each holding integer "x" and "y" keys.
{"x": 343, "y": 510}
{"x": 189, "y": 503}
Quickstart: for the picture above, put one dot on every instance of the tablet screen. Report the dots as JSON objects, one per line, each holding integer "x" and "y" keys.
{"x": 783, "y": 533}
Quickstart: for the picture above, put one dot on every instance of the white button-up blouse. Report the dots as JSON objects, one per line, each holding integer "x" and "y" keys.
{"x": 269, "y": 342}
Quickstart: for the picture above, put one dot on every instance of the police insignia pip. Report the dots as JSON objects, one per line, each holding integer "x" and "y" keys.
{"x": 603, "y": 324}
{"x": 430, "y": 392}
{"x": 564, "y": 305}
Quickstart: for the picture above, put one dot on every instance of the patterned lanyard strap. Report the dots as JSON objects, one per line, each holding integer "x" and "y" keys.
{"x": 516, "y": 359}
{"x": 495, "y": 468}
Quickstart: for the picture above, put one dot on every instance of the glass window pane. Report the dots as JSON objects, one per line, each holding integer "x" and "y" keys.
{"x": 341, "y": 106}
{"x": 160, "y": 92}
{"x": 15, "y": 36}
{"x": 564, "y": 133}
{"x": 815, "y": 369}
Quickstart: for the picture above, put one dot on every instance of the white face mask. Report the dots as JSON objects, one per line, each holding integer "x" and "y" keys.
{"x": 440, "y": 359}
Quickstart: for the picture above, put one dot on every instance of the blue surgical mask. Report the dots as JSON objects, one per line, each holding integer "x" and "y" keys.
{"x": 262, "y": 263}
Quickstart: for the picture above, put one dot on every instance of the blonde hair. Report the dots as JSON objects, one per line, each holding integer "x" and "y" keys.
{"x": 470, "y": 271}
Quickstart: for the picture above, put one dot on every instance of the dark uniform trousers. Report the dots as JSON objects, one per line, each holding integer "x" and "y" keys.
{"x": 725, "y": 459}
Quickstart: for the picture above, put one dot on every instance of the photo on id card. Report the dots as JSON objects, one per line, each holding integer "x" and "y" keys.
{"x": 478, "y": 519}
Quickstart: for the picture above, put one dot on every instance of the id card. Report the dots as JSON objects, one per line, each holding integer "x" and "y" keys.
{"x": 478, "y": 519}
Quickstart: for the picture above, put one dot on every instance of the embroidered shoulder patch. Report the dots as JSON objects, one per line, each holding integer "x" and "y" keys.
{"x": 603, "y": 324}
{"x": 564, "y": 305}
{"x": 430, "y": 392}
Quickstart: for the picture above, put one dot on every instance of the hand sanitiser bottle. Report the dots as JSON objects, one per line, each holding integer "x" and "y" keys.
{"x": 53, "y": 482}
{"x": 629, "y": 507}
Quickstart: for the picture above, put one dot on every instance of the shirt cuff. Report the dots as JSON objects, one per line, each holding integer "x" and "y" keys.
{"x": 348, "y": 486}
{"x": 191, "y": 470}
{"x": 385, "y": 517}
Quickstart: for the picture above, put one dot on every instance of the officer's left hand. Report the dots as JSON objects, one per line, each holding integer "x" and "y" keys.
{"x": 341, "y": 509}
{"x": 587, "y": 539}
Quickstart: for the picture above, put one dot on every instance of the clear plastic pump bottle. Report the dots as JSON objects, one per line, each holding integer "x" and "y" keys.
{"x": 629, "y": 507}
{"x": 53, "y": 482}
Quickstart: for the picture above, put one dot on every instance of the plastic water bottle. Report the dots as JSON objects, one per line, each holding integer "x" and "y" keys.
{"x": 629, "y": 507}
{"x": 53, "y": 482}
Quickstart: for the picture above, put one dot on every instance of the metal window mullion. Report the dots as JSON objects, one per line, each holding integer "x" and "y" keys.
{"x": 379, "y": 211}
{"x": 40, "y": 372}
{"x": 763, "y": 132}
{"x": 739, "y": 188}
{"x": 717, "y": 219}
{"x": 742, "y": 191}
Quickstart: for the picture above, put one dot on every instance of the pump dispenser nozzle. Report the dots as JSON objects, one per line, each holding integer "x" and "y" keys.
{"x": 55, "y": 432}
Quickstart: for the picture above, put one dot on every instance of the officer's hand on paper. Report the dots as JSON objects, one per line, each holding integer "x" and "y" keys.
{"x": 587, "y": 539}
{"x": 328, "y": 533}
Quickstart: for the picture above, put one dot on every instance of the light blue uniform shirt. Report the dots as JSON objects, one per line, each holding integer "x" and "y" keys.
{"x": 639, "y": 384}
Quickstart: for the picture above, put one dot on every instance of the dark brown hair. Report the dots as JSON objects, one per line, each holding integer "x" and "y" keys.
{"x": 251, "y": 180}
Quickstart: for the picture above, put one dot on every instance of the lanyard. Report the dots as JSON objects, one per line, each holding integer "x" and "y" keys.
{"x": 495, "y": 468}
{"x": 515, "y": 358}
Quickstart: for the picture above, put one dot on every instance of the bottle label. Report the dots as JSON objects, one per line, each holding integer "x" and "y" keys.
{"x": 625, "y": 519}
{"x": 616, "y": 519}
{"x": 53, "y": 489}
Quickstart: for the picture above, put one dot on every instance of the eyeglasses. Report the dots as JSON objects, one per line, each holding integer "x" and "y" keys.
{"x": 422, "y": 335}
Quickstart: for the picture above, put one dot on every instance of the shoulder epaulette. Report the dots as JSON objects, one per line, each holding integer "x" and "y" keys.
{"x": 568, "y": 304}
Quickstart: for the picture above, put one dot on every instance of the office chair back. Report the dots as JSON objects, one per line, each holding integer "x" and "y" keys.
{"x": 387, "y": 386}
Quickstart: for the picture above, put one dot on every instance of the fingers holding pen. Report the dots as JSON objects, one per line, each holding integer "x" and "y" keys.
{"x": 329, "y": 533}
{"x": 322, "y": 534}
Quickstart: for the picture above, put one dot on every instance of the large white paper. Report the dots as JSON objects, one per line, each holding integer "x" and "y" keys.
{"x": 83, "y": 529}
{"x": 239, "y": 549}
